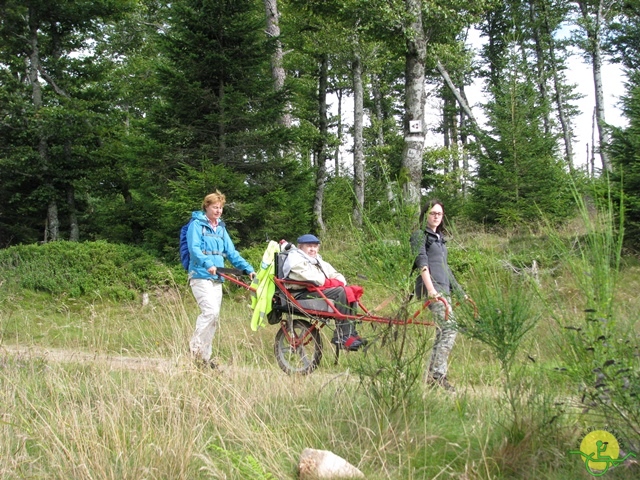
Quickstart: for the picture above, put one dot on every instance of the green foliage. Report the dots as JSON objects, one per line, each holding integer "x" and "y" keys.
{"x": 504, "y": 308}
{"x": 94, "y": 269}
{"x": 444, "y": 178}
{"x": 338, "y": 200}
{"x": 53, "y": 131}
{"x": 392, "y": 369}
{"x": 244, "y": 465}
{"x": 600, "y": 350}
{"x": 135, "y": 360}
{"x": 506, "y": 312}
{"x": 219, "y": 104}
{"x": 625, "y": 148}
{"x": 531, "y": 251}
{"x": 520, "y": 177}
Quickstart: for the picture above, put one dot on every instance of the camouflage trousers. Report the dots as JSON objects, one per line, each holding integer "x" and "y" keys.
{"x": 446, "y": 331}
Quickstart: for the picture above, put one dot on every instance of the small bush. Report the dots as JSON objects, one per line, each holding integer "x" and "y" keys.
{"x": 88, "y": 268}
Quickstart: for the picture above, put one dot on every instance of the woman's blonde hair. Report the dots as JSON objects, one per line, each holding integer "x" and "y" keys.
{"x": 215, "y": 197}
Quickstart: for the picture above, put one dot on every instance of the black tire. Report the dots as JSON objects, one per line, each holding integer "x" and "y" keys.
{"x": 298, "y": 347}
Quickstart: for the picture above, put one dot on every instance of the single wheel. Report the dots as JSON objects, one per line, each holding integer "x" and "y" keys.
{"x": 298, "y": 347}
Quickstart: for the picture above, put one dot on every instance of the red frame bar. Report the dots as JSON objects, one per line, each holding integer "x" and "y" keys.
{"x": 366, "y": 317}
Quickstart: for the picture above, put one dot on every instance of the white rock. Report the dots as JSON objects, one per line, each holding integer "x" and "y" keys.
{"x": 323, "y": 464}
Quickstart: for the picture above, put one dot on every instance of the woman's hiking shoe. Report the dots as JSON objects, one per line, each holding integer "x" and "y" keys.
{"x": 442, "y": 382}
{"x": 206, "y": 364}
{"x": 351, "y": 343}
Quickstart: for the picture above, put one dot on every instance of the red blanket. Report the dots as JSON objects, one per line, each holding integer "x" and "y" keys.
{"x": 354, "y": 292}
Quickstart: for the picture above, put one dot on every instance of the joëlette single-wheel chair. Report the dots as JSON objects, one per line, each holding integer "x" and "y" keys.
{"x": 298, "y": 344}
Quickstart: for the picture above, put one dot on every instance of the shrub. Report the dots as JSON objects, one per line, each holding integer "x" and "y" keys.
{"x": 89, "y": 268}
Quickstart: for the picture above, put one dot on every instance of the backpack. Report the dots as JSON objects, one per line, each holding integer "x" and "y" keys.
{"x": 185, "y": 258}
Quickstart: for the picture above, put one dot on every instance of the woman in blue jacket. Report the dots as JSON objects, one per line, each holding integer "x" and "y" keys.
{"x": 436, "y": 280}
{"x": 209, "y": 245}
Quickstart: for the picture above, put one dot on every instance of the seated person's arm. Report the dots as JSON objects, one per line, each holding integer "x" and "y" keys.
{"x": 332, "y": 272}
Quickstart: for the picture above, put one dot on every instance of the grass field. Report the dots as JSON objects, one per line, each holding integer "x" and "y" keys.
{"x": 92, "y": 388}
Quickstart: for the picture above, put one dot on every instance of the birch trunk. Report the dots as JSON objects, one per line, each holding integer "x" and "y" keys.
{"x": 321, "y": 147}
{"x": 559, "y": 99}
{"x": 277, "y": 70}
{"x": 414, "y": 102}
{"x": 358, "y": 154}
{"x": 593, "y": 25}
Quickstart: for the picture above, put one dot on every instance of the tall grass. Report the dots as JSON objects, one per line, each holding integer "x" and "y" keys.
{"x": 600, "y": 345}
{"x": 504, "y": 310}
{"x": 154, "y": 415}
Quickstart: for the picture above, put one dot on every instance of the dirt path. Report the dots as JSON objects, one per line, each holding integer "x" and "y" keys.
{"x": 113, "y": 362}
{"x": 161, "y": 364}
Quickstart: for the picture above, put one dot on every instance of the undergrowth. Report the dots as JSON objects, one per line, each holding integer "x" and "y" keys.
{"x": 516, "y": 413}
{"x": 93, "y": 269}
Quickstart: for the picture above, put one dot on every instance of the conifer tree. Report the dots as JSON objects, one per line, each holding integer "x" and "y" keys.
{"x": 55, "y": 113}
{"x": 518, "y": 174}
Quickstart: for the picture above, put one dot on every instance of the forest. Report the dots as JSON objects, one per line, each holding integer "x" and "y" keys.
{"x": 118, "y": 116}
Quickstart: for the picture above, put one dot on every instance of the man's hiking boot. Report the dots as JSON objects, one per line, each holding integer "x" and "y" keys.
{"x": 440, "y": 381}
{"x": 351, "y": 343}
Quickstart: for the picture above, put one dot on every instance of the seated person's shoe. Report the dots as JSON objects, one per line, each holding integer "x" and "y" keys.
{"x": 352, "y": 343}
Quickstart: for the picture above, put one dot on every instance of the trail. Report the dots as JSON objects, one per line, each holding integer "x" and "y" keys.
{"x": 112, "y": 362}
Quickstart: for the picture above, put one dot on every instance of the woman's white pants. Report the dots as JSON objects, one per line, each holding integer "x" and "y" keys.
{"x": 208, "y": 294}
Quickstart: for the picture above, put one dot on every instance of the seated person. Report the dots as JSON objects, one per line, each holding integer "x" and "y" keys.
{"x": 305, "y": 264}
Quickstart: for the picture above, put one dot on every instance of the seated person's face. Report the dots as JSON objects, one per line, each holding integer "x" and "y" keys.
{"x": 310, "y": 249}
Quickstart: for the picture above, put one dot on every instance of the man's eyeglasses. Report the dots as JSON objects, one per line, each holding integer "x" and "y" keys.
{"x": 436, "y": 214}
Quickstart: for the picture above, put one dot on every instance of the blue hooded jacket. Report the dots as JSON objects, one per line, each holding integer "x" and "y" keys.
{"x": 209, "y": 247}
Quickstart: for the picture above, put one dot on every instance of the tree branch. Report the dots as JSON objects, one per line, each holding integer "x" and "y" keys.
{"x": 463, "y": 103}
{"x": 50, "y": 81}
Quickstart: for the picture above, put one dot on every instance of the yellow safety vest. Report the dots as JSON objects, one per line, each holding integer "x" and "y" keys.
{"x": 261, "y": 299}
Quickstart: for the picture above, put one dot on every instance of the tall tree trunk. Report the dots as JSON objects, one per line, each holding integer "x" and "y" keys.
{"x": 462, "y": 100}
{"x": 567, "y": 134}
{"x": 592, "y": 153}
{"x": 321, "y": 146}
{"x": 337, "y": 152}
{"x": 379, "y": 116}
{"x": 377, "y": 102}
{"x": 594, "y": 24}
{"x": 52, "y": 222}
{"x": 541, "y": 67}
{"x": 464, "y": 175}
{"x": 446, "y": 120}
{"x": 358, "y": 153}
{"x": 277, "y": 70}
{"x": 222, "y": 146}
{"x": 52, "y": 232}
{"x": 74, "y": 230}
{"x": 599, "y": 93}
{"x": 414, "y": 102}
